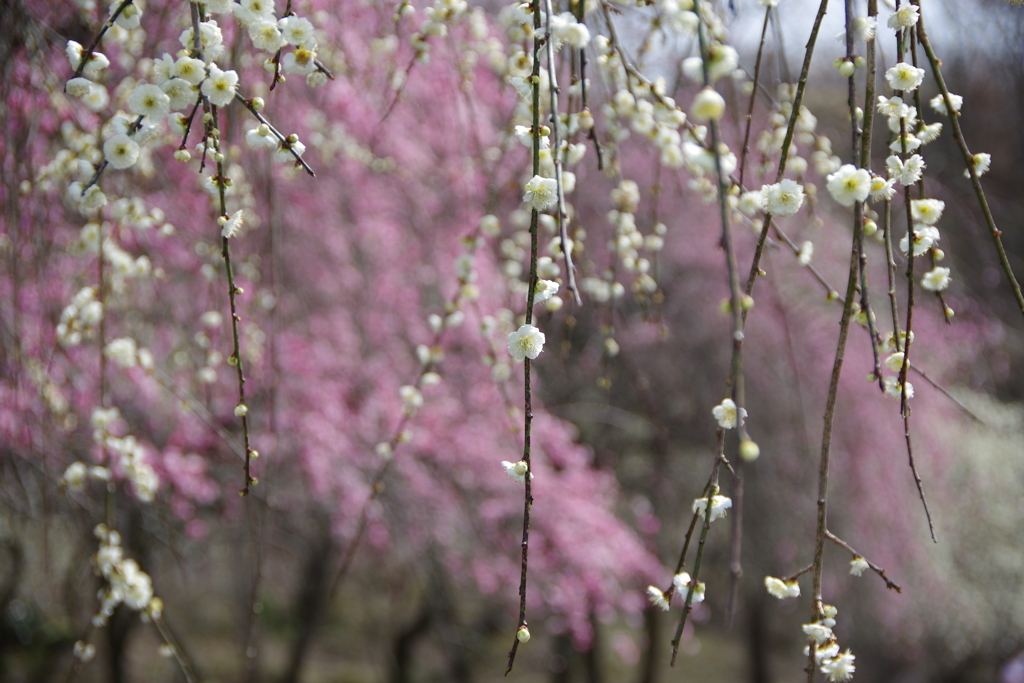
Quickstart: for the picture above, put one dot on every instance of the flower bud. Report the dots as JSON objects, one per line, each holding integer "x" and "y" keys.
{"x": 749, "y": 450}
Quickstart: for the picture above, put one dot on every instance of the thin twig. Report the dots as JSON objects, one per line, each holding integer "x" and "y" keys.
{"x": 889, "y": 583}
{"x": 87, "y": 53}
{"x": 530, "y": 294}
{"x": 556, "y": 156}
{"x": 753, "y": 94}
{"x": 788, "y": 140}
{"x": 954, "y": 122}
{"x": 830, "y": 410}
{"x": 247, "y": 102}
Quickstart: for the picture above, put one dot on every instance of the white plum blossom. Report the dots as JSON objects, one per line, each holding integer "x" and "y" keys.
{"x": 149, "y": 100}
{"x": 249, "y": 11}
{"x": 905, "y": 17}
{"x": 708, "y": 105}
{"x": 180, "y": 93}
{"x": 300, "y": 61}
{"x": 858, "y": 564}
{"x": 719, "y": 504}
{"x": 189, "y": 69}
{"x": 936, "y": 280}
{"x": 784, "y": 198}
{"x": 904, "y": 77}
{"x": 412, "y": 399}
{"x": 725, "y": 413}
{"x": 211, "y": 40}
{"x": 925, "y": 236}
{"x": 516, "y": 471}
{"x": 544, "y": 290}
{"x": 927, "y": 211}
{"x": 839, "y": 667}
{"x": 219, "y": 86}
{"x": 863, "y": 28}
{"x": 526, "y": 342}
{"x": 266, "y": 36}
{"x": 981, "y": 162}
{"x": 78, "y": 87}
{"x": 849, "y": 185}
{"x": 818, "y": 632}
{"x": 96, "y": 99}
{"x": 893, "y": 388}
{"x": 780, "y": 589}
{"x": 938, "y": 103}
{"x": 525, "y": 136}
{"x": 657, "y": 598}
{"x": 806, "y": 253}
{"x": 895, "y": 361}
{"x": 75, "y": 475}
{"x": 682, "y": 583}
{"x": 232, "y": 225}
{"x": 261, "y": 137}
{"x": 297, "y": 31}
{"x": 122, "y": 351}
{"x": 892, "y": 107}
{"x": 908, "y": 172}
{"x": 565, "y": 29}
{"x": 882, "y": 189}
{"x": 129, "y": 17}
{"x": 121, "y": 151}
{"x": 541, "y": 192}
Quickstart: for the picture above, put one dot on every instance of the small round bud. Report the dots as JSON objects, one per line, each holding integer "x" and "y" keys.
{"x": 292, "y": 139}
{"x": 747, "y": 303}
{"x": 523, "y": 634}
{"x": 870, "y": 228}
{"x": 222, "y": 220}
{"x": 258, "y": 103}
{"x": 218, "y": 157}
{"x": 253, "y": 453}
{"x": 182, "y": 155}
{"x": 949, "y": 312}
{"x": 241, "y": 410}
{"x": 847, "y": 69}
{"x": 749, "y": 450}
{"x": 586, "y": 119}
{"x": 938, "y": 254}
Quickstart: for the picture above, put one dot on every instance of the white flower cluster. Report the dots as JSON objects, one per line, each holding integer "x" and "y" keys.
{"x": 131, "y": 456}
{"x": 838, "y": 666}
{"x": 78, "y": 473}
{"x": 79, "y": 318}
{"x": 126, "y": 582}
{"x": 684, "y": 585}
{"x": 904, "y": 117}
{"x": 627, "y": 245}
